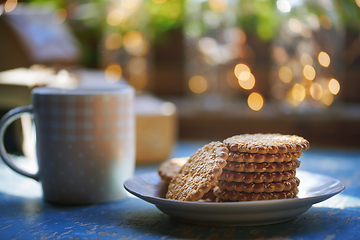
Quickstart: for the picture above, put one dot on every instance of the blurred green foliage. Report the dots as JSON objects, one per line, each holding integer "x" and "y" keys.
{"x": 87, "y": 19}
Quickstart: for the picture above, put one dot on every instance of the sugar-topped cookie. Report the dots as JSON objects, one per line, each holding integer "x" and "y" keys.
{"x": 266, "y": 143}
{"x": 199, "y": 173}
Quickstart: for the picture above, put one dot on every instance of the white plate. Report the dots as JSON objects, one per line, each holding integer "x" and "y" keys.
{"x": 314, "y": 188}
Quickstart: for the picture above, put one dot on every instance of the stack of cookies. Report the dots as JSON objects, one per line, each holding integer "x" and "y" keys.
{"x": 241, "y": 168}
{"x": 260, "y": 167}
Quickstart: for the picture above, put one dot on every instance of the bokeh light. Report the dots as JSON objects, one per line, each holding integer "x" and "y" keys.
{"x": 218, "y": 6}
{"x": 236, "y": 35}
{"x": 113, "y": 41}
{"x": 334, "y": 86}
{"x": 306, "y": 32}
{"x": 309, "y": 72}
{"x": 168, "y": 108}
{"x": 325, "y": 22}
{"x": 285, "y": 74}
{"x": 255, "y": 101}
{"x": 306, "y": 59}
{"x": 324, "y": 59}
{"x": 239, "y": 68}
{"x": 316, "y": 91}
{"x": 244, "y": 76}
{"x": 10, "y": 5}
{"x": 327, "y": 98}
{"x": 115, "y": 17}
{"x": 208, "y": 45}
{"x": 298, "y": 92}
{"x": 295, "y": 25}
{"x": 283, "y": 6}
{"x": 113, "y": 72}
{"x": 198, "y": 84}
{"x": 134, "y": 43}
{"x": 249, "y": 83}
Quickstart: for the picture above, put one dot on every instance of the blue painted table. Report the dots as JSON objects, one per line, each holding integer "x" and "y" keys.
{"x": 23, "y": 214}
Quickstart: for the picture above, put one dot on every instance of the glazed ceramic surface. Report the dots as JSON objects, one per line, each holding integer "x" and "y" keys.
{"x": 85, "y": 142}
{"x": 313, "y": 189}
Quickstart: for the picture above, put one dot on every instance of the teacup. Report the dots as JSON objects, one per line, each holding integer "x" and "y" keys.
{"x": 85, "y": 142}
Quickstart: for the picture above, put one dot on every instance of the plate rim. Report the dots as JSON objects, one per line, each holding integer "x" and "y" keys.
{"x": 311, "y": 199}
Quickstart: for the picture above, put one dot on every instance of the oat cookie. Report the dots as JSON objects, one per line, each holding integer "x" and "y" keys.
{"x": 199, "y": 173}
{"x": 256, "y": 177}
{"x": 168, "y": 169}
{"x": 233, "y": 196}
{"x": 260, "y": 158}
{"x": 266, "y": 143}
{"x": 282, "y": 186}
{"x": 262, "y": 167}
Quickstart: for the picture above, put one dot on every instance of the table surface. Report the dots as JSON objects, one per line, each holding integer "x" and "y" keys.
{"x": 24, "y": 215}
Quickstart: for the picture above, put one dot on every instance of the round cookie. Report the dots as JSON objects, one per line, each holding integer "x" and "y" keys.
{"x": 199, "y": 173}
{"x": 282, "y": 186}
{"x": 234, "y": 196}
{"x": 262, "y": 167}
{"x": 256, "y": 177}
{"x": 266, "y": 143}
{"x": 260, "y": 158}
{"x": 170, "y": 168}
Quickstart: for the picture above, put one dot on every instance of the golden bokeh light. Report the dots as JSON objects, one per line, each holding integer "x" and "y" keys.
{"x": 248, "y": 83}
{"x": 60, "y": 15}
{"x": 334, "y": 86}
{"x": 115, "y": 17}
{"x": 285, "y": 74}
{"x": 298, "y": 92}
{"x": 324, "y": 59}
{"x": 244, "y": 76}
{"x": 325, "y": 22}
{"x": 306, "y": 59}
{"x": 316, "y": 91}
{"x": 309, "y": 72}
{"x": 159, "y": 1}
{"x": 327, "y": 98}
{"x": 255, "y": 101}
{"x": 239, "y": 68}
{"x": 113, "y": 41}
{"x": 198, "y": 84}
{"x": 113, "y": 72}
{"x": 135, "y": 44}
{"x": 218, "y": 6}
{"x": 295, "y": 25}
{"x": 133, "y": 38}
{"x": 10, "y": 5}
{"x": 357, "y": 3}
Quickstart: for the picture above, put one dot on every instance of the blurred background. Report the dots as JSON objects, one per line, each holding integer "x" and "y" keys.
{"x": 202, "y": 69}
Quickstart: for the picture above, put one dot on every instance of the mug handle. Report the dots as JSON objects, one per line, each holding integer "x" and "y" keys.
{"x": 5, "y": 121}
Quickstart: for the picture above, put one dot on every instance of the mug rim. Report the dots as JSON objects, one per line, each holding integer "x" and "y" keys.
{"x": 83, "y": 90}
